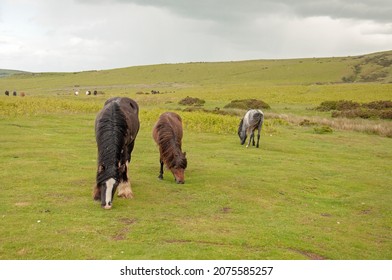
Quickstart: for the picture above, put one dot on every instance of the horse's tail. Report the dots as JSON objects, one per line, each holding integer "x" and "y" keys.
{"x": 258, "y": 118}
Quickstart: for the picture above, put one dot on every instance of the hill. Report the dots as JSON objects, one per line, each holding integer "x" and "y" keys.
{"x": 7, "y": 72}
{"x": 375, "y": 67}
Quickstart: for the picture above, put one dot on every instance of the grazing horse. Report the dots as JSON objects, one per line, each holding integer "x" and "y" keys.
{"x": 167, "y": 133}
{"x": 116, "y": 127}
{"x": 7, "y": 93}
{"x": 253, "y": 119}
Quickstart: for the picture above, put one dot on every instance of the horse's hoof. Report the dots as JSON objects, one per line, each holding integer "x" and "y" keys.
{"x": 126, "y": 195}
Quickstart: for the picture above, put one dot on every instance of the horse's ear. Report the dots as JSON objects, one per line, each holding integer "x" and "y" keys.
{"x": 121, "y": 167}
{"x": 101, "y": 168}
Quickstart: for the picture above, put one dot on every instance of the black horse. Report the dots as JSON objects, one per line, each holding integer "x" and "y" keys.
{"x": 116, "y": 127}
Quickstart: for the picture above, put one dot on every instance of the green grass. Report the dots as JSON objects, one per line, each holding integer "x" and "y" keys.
{"x": 302, "y": 195}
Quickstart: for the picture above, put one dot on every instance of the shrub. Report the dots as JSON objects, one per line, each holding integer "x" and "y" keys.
{"x": 306, "y": 122}
{"x": 380, "y": 104}
{"x": 247, "y": 104}
{"x": 386, "y": 114}
{"x": 341, "y": 105}
{"x": 357, "y": 113}
{"x": 326, "y": 106}
{"x": 323, "y": 130}
{"x": 192, "y": 101}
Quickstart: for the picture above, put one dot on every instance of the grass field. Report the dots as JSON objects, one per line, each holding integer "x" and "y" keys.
{"x": 304, "y": 194}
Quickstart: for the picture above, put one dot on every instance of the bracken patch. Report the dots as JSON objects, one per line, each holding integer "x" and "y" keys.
{"x": 247, "y": 104}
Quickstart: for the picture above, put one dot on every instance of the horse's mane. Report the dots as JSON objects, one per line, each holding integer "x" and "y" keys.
{"x": 111, "y": 129}
{"x": 240, "y": 126}
{"x": 170, "y": 145}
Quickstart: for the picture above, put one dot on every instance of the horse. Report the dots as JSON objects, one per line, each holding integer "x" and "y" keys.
{"x": 167, "y": 133}
{"x": 7, "y": 93}
{"x": 253, "y": 119}
{"x": 116, "y": 128}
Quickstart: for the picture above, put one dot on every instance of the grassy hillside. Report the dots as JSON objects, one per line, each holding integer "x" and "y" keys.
{"x": 215, "y": 76}
{"x": 6, "y": 72}
{"x": 318, "y": 187}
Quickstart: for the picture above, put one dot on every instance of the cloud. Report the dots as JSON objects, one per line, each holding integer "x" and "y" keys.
{"x": 220, "y": 10}
{"x": 75, "y": 35}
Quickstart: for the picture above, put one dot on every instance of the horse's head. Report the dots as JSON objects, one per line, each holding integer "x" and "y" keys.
{"x": 105, "y": 191}
{"x": 178, "y": 169}
{"x": 242, "y": 132}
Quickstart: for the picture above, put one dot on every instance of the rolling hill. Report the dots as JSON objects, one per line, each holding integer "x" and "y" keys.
{"x": 376, "y": 68}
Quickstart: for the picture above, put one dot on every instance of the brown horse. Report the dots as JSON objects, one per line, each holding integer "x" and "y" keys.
{"x": 167, "y": 133}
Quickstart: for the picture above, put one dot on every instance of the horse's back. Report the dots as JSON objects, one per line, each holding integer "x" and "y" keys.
{"x": 253, "y": 118}
{"x": 254, "y": 114}
{"x": 125, "y": 103}
{"x": 168, "y": 122}
{"x": 125, "y": 108}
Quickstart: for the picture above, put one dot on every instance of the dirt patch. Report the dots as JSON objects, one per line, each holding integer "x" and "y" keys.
{"x": 365, "y": 212}
{"x": 22, "y": 204}
{"x": 23, "y": 252}
{"x": 122, "y": 233}
{"x": 177, "y": 241}
{"x": 326, "y": 215}
{"x": 128, "y": 221}
{"x": 226, "y": 210}
{"x": 309, "y": 255}
{"x": 195, "y": 241}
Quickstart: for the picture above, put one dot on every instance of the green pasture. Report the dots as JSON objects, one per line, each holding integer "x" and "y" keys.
{"x": 307, "y": 193}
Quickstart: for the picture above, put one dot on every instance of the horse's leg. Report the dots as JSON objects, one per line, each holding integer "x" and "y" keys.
{"x": 253, "y": 138}
{"x": 258, "y": 134}
{"x": 124, "y": 188}
{"x": 250, "y": 138}
{"x": 161, "y": 170}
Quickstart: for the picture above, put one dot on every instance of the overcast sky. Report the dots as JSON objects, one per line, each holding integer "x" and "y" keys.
{"x": 78, "y": 35}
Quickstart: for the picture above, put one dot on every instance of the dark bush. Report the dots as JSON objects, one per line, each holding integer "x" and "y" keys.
{"x": 192, "y": 101}
{"x": 326, "y": 106}
{"x": 306, "y": 122}
{"x": 378, "y": 105}
{"x": 386, "y": 114}
{"x": 343, "y": 105}
{"x": 323, "y": 130}
{"x": 357, "y": 113}
{"x": 340, "y": 105}
{"x": 247, "y": 104}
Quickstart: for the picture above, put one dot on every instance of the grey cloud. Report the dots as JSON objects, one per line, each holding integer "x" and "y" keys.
{"x": 221, "y": 10}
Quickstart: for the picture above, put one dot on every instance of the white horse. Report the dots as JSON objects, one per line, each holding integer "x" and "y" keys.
{"x": 253, "y": 119}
